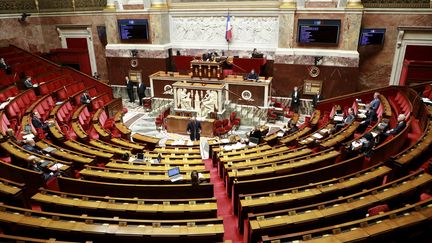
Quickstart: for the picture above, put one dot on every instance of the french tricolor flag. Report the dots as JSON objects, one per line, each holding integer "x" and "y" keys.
{"x": 228, "y": 33}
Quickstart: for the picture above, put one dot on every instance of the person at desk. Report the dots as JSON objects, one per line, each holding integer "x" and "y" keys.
{"x": 141, "y": 92}
{"x": 399, "y": 127}
{"x": 28, "y": 82}
{"x": 295, "y": 100}
{"x": 256, "y": 134}
{"x": 375, "y": 103}
{"x": 252, "y": 75}
{"x": 129, "y": 88}
{"x": 371, "y": 116}
{"x": 30, "y": 145}
{"x": 364, "y": 145}
{"x": 85, "y": 98}
{"x": 37, "y": 164}
{"x": 347, "y": 120}
{"x": 317, "y": 98}
{"x": 194, "y": 129}
{"x": 291, "y": 128}
{"x": 37, "y": 122}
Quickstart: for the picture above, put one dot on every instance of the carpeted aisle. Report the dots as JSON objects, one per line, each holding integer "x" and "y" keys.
{"x": 224, "y": 205}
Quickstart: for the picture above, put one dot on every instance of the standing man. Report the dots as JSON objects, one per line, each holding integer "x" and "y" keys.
{"x": 317, "y": 98}
{"x": 141, "y": 91}
{"x": 295, "y": 100}
{"x": 194, "y": 129}
{"x": 129, "y": 88}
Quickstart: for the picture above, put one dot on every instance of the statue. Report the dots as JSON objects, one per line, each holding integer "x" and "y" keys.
{"x": 209, "y": 102}
{"x": 197, "y": 101}
{"x": 185, "y": 99}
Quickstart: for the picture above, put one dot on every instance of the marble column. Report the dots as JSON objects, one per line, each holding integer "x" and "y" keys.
{"x": 287, "y": 3}
{"x": 351, "y": 28}
{"x": 110, "y": 5}
{"x": 111, "y": 28}
{"x": 159, "y": 25}
{"x": 286, "y": 29}
{"x": 354, "y": 4}
{"x": 159, "y": 4}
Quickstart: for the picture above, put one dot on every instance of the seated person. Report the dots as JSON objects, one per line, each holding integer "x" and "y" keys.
{"x": 30, "y": 145}
{"x": 257, "y": 134}
{"x": 371, "y": 116}
{"x": 36, "y": 164}
{"x": 375, "y": 103}
{"x": 291, "y": 128}
{"x": 28, "y": 82}
{"x": 195, "y": 178}
{"x": 367, "y": 143}
{"x": 38, "y": 122}
{"x": 11, "y": 135}
{"x": 347, "y": 120}
{"x": 399, "y": 127}
{"x": 252, "y": 76}
{"x": 85, "y": 98}
{"x": 4, "y": 66}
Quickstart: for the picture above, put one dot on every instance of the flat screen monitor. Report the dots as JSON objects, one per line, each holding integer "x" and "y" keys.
{"x": 133, "y": 29}
{"x": 372, "y": 37}
{"x": 318, "y": 31}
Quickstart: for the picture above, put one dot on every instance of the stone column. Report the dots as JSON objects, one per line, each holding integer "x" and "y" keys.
{"x": 354, "y": 4}
{"x": 110, "y": 5}
{"x": 286, "y": 23}
{"x": 159, "y": 4}
{"x": 287, "y": 3}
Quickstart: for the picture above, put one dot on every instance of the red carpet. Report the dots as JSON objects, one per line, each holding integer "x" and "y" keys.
{"x": 224, "y": 205}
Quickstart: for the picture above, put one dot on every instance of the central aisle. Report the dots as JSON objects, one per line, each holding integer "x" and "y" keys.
{"x": 224, "y": 205}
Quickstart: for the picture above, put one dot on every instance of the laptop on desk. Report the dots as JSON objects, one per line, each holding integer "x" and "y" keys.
{"x": 174, "y": 174}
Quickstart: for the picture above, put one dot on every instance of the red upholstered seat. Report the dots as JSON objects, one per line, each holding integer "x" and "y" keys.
{"x": 378, "y": 209}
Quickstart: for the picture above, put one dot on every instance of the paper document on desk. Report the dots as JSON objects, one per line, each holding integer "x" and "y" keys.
{"x": 317, "y": 136}
{"x": 190, "y": 143}
{"x": 361, "y": 116}
{"x": 338, "y": 118}
{"x": 361, "y": 111}
{"x": 280, "y": 134}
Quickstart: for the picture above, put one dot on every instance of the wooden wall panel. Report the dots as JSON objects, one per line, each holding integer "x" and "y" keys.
{"x": 119, "y": 67}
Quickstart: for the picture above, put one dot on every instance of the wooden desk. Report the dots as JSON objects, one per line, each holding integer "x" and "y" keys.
{"x": 206, "y": 69}
{"x": 178, "y": 124}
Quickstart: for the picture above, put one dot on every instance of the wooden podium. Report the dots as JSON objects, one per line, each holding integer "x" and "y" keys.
{"x": 206, "y": 70}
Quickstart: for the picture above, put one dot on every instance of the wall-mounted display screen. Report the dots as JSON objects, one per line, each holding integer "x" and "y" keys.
{"x": 372, "y": 37}
{"x": 318, "y": 31}
{"x": 133, "y": 29}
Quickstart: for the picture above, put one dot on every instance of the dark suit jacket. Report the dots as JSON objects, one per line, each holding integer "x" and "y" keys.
{"x": 194, "y": 128}
{"x": 84, "y": 99}
{"x": 129, "y": 85}
{"x": 400, "y": 126}
{"x": 316, "y": 99}
{"x": 295, "y": 99}
{"x": 141, "y": 90}
{"x": 349, "y": 119}
{"x": 253, "y": 76}
{"x": 37, "y": 123}
{"x": 375, "y": 104}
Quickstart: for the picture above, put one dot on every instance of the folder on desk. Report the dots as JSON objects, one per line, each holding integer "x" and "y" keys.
{"x": 49, "y": 149}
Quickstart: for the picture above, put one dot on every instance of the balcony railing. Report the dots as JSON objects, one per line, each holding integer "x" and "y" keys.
{"x": 34, "y": 6}
{"x": 396, "y": 3}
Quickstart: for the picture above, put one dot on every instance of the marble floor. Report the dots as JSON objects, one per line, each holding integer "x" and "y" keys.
{"x": 143, "y": 122}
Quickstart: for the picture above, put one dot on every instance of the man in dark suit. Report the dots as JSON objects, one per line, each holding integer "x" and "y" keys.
{"x": 129, "y": 88}
{"x": 141, "y": 92}
{"x": 37, "y": 121}
{"x": 85, "y": 98}
{"x": 194, "y": 129}
{"x": 348, "y": 119}
{"x": 28, "y": 82}
{"x": 371, "y": 116}
{"x": 394, "y": 131}
{"x": 252, "y": 75}
{"x": 317, "y": 98}
{"x": 295, "y": 100}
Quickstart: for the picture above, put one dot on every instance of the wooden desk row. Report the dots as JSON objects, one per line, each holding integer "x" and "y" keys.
{"x": 90, "y": 150}
{"x": 135, "y": 176}
{"x": 283, "y": 168}
{"x": 83, "y": 228}
{"x": 340, "y": 137}
{"x": 335, "y": 211}
{"x": 65, "y": 154}
{"x": 147, "y": 166}
{"x": 164, "y": 191}
{"x": 252, "y": 153}
{"x": 118, "y": 123}
{"x": 14, "y": 238}
{"x": 31, "y": 179}
{"x": 387, "y": 111}
{"x": 256, "y": 163}
{"x": 312, "y": 193}
{"x": 13, "y": 193}
{"x": 410, "y": 157}
{"x": 399, "y": 224}
{"x": 60, "y": 202}
{"x": 281, "y": 182}
{"x": 111, "y": 148}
